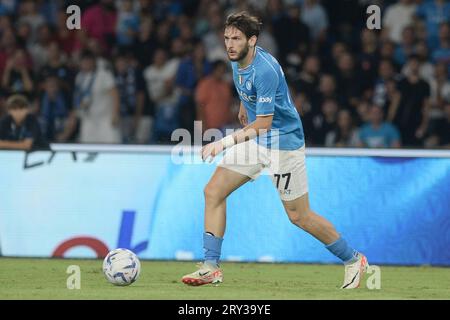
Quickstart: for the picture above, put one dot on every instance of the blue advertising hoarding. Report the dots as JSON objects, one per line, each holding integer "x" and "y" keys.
{"x": 81, "y": 204}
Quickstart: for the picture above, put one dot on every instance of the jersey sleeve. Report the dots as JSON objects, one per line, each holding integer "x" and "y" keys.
{"x": 266, "y": 88}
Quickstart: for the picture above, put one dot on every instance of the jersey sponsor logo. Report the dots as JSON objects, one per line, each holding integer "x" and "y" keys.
{"x": 246, "y": 97}
{"x": 265, "y": 100}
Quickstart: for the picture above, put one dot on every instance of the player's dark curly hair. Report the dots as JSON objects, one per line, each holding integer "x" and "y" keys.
{"x": 245, "y": 22}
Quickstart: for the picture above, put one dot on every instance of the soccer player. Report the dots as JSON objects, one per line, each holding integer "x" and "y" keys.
{"x": 269, "y": 117}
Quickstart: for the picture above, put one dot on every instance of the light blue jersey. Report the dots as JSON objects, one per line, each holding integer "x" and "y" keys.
{"x": 263, "y": 90}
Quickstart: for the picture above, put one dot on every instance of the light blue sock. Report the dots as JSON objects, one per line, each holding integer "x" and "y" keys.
{"x": 343, "y": 251}
{"x": 213, "y": 247}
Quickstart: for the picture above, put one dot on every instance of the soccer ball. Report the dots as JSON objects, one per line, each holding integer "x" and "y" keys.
{"x": 121, "y": 267}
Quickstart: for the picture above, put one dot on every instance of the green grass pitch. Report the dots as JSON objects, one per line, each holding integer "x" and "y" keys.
{"x": 46, "y": 279}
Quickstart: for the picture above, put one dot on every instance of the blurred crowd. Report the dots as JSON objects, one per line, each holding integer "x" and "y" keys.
{"x": 138, "y": 69}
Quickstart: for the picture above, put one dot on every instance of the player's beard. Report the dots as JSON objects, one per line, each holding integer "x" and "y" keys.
{"x": 242, "y": 55}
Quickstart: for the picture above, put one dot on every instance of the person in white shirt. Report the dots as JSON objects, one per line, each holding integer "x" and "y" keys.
{"x": 97, "y": 103}
{"x": 397, "y": 17}
{"x": 160, "y": 78}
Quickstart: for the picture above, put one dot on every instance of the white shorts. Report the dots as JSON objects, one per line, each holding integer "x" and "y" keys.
{"x": 286, "y": 168}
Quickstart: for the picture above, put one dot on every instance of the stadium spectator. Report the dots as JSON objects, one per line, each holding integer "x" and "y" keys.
{"x": 39, "y": 49}
{"x": 377, "y": 133}
{"x": 49, "y": 10}
{"x": 185, "y": 31}
{"x": 23, "y": 33}
{"x": 17, "y": 77}
{"x": 406, "y": 47}
{"x": 56, "y": 66}
{"x": 440, "y": 87}
{"x": 396, "y": 17}
{"x": 178, "y": 49}
{"x": 308, "y": 78}
{"x": 442, "y": 52}
{"x": 146, "y": 8}
{"x": 387, "y": 52}
{"x": 190, "y": 71}
{"x": 97, "y": 103}
{"x": 363, "y": 112}
{"x": 8, "y": 45}
{"x": 57, "y": 119}
{"x": 213, "y": 97}
{"x": 433, "y": 13}
{"x": 410, "y": 115}
{"x": 145, "y": 44}
{"x": 338, "y": 49}
{"x": 324, "y": 122}
{"x": 99, "y": 22}
{"x": 213, "y": 39}
{"x": 348, "y": 80}
{"x": 8, "y": 6}
{"x": 426, "y": 69}
{"x": 290, "y": 32}
{"x": 326, "y": 90}
{"x": 368, "y": 58}
{"x": 67, "y": 39}
{"x": 5, "y": 22}
{"x": 385, "y": 73}
{"x": 131, "y": 88}
{"x": 267, "y": 40}
{"x": 438, "y": 134}
{"x": 315, "y": 17}
{"x": 19, "y": 129}
{"x": 29, "y": 14}
{"x": 345, "y": 133}
{"x": 103, "y": 59}
{"x": 35, "y": 32}
{"x": 127, "y": 24}
{"x": 304, "y": 109}
{"x": 163, "y": 36}
{"x": 392, "y": 101}
{"x": 160, "y": 78}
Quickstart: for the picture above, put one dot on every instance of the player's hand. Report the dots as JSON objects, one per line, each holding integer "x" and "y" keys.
{"x": 242, "y": 116}
{"x": 211, "y": 150}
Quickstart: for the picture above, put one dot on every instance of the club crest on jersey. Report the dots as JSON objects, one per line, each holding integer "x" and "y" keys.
{"x": 248, "y": 85}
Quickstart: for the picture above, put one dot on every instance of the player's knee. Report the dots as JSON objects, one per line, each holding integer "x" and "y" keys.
{"x": 300, "y": 218}
{"x": 212, "y": 193}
